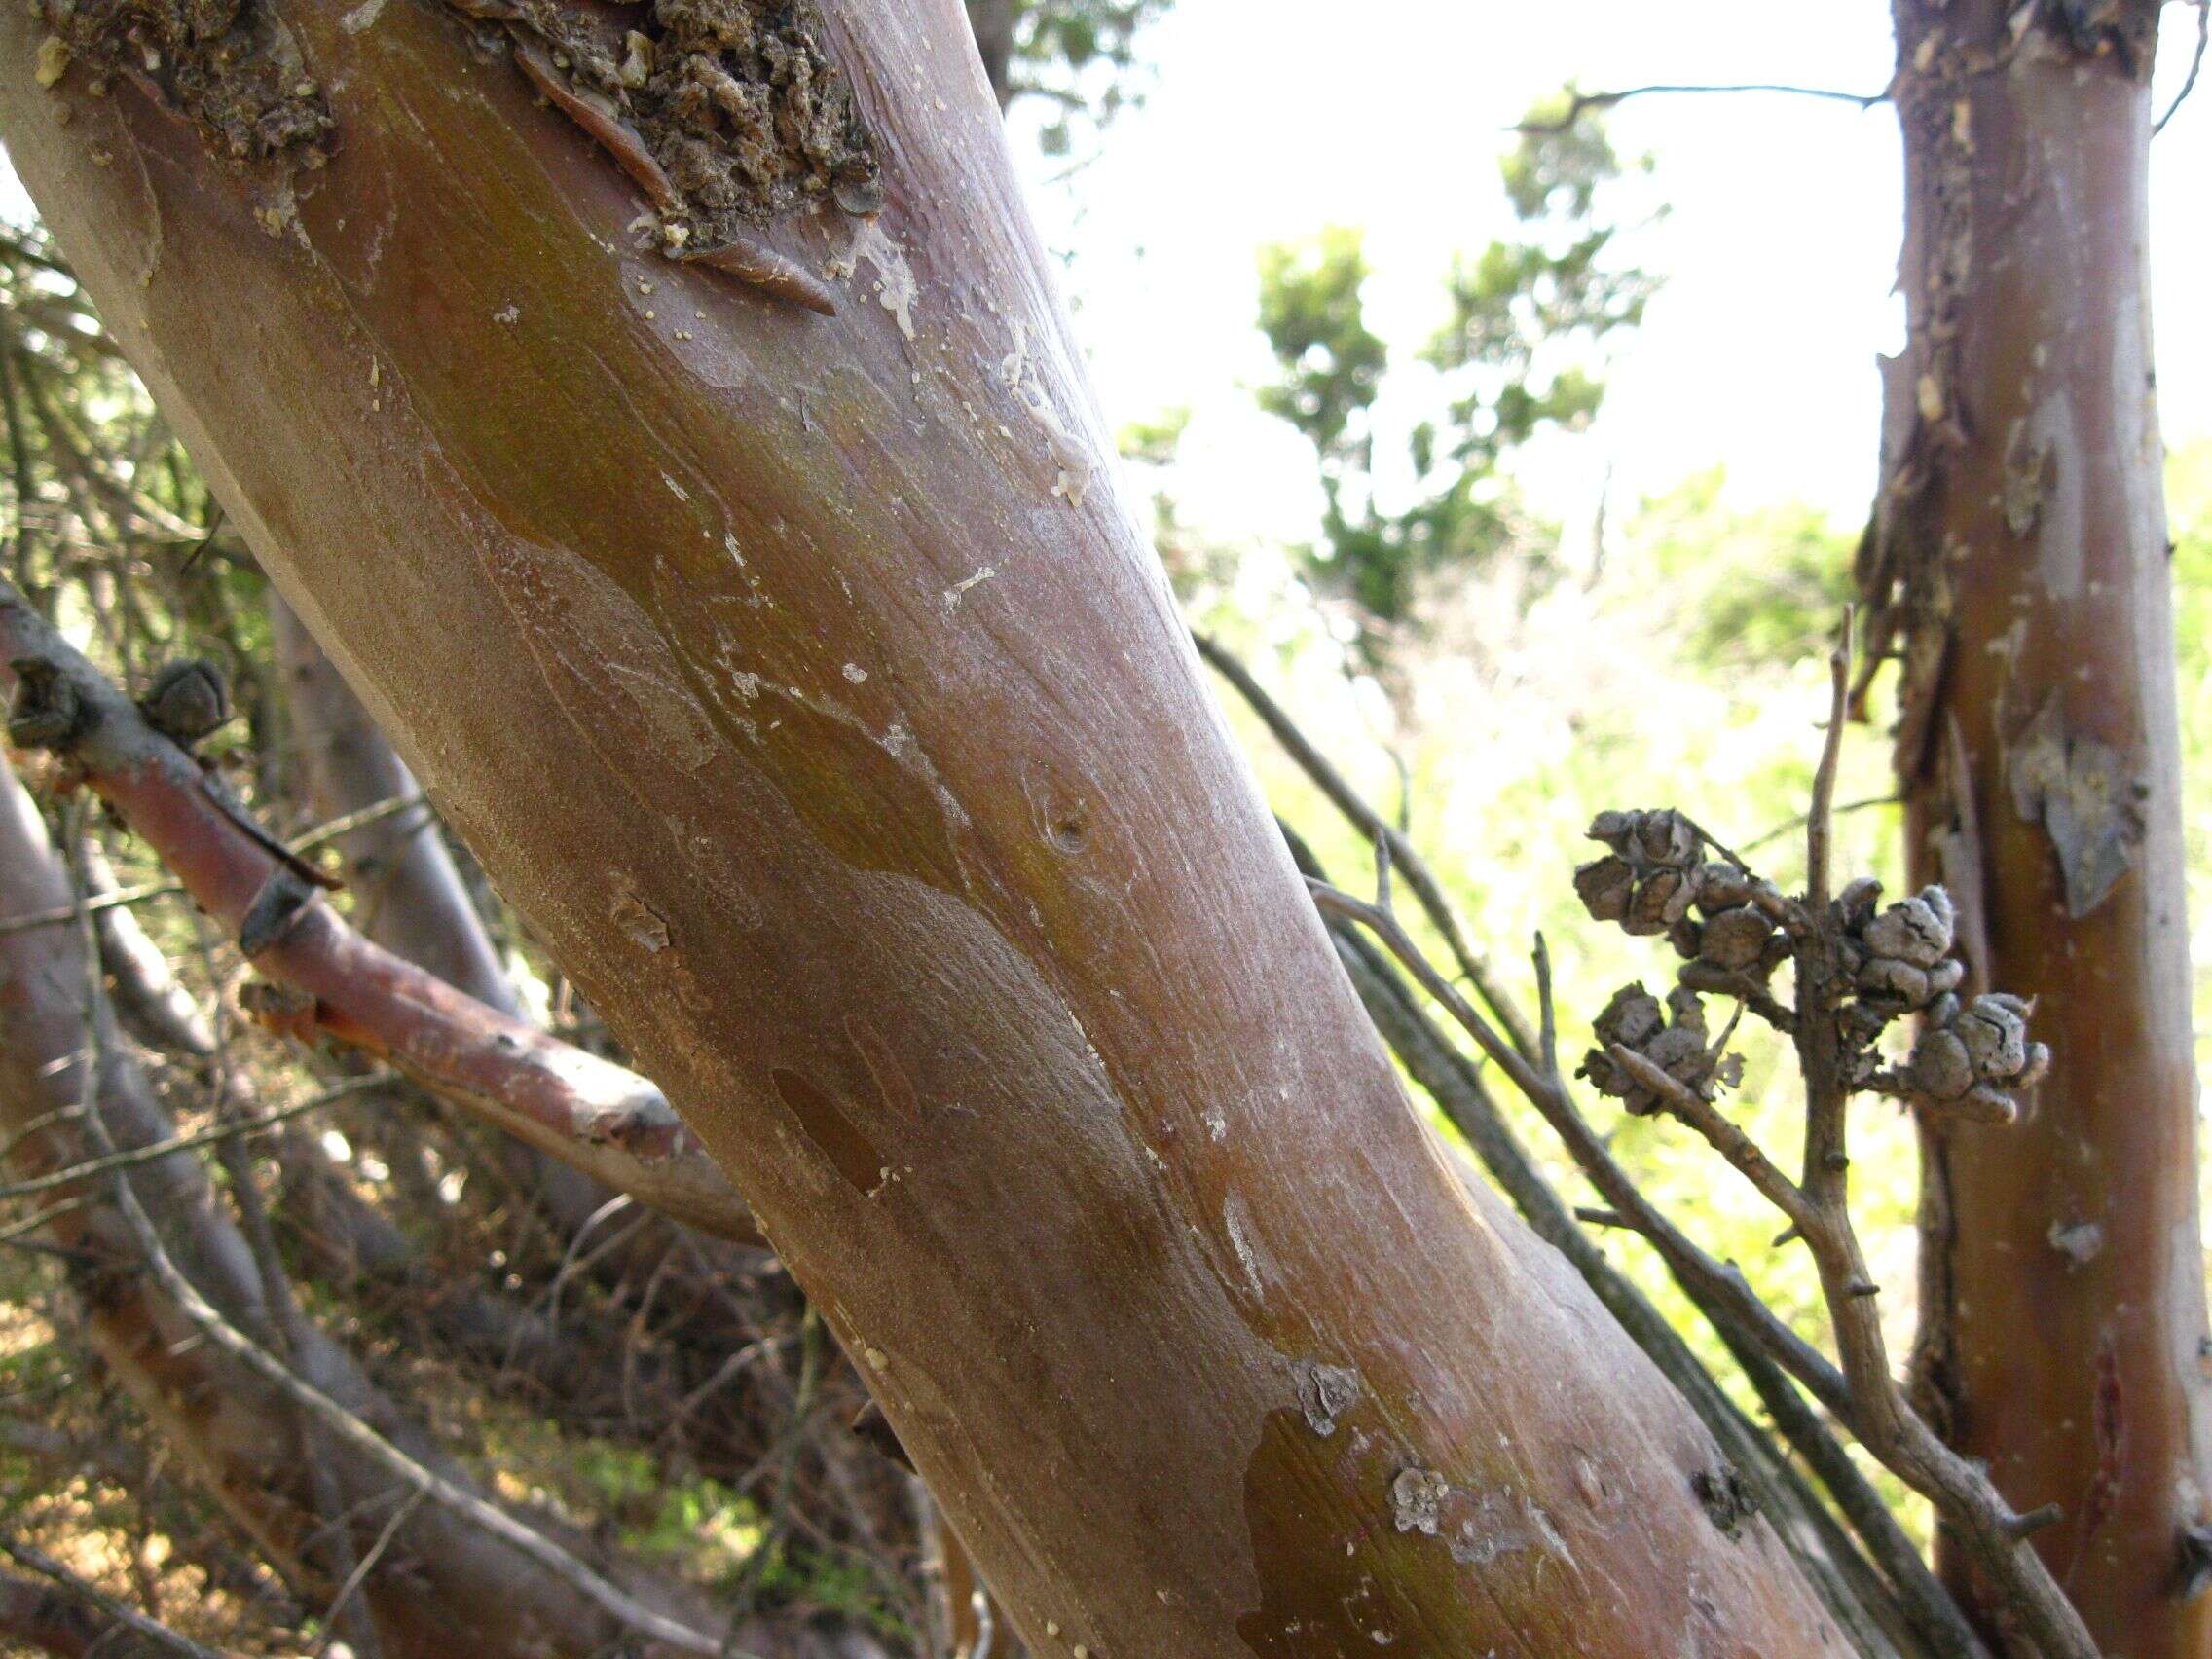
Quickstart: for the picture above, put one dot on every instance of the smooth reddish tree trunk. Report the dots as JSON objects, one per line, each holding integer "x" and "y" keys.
{"x": 809, "y": 687}
{"x": 2019, "y": 555}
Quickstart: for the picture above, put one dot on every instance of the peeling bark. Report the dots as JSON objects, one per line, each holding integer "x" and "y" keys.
{"x": 943, "y": 907}
{"x": 2017, "y": 558}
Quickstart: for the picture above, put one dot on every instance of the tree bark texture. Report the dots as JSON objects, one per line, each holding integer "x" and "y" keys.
{"x": 808, "y": 684}
{"x": 2018, "y": 560}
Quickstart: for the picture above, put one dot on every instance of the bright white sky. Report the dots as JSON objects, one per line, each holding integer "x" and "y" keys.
{"x": 1272, "y": 118}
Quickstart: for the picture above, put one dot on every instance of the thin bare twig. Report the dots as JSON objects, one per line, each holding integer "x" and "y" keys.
{"x": 152, "y": 1629}
{"x": 1547, "y": 1011}
{"x": 1580, "y": 104}
{"x": 347, "y": 822}
{"x": 2195, "y": 64}
{"x": 31, "y": 1223}
{"x": 1724, "y": 1284}
{"x": 1768, "y": 837}
{"x": 362, "y": 1568}
{"x": 300, "y": 845}
{"x": 235, "y": 1127}
{"x": 94, "y": 904}
{"x": 1819, "y": 829}
{"x": 1718, "y": 1130}
{"x": 68, "y": 1114}
{"x": 1925, "y": 1603}
{"x": 1883, "y": 1420}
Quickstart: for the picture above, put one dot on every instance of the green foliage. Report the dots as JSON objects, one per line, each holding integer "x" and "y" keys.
{"x": 1744, "y": 588}
{"x": 1333, "y": 363}
{"x": 1076, "y": 57}
{"x": 1516, "y": 358}
{"x": 2188, "y": 490}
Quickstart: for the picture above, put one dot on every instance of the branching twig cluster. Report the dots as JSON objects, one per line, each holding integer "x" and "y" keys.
{"x": 1857, "y": 968}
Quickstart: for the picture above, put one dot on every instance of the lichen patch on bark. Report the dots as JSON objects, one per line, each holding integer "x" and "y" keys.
{"x": 227, "y": 66}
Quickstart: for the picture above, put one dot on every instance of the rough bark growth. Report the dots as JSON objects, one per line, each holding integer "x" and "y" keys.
{"x": 727, "y": 113}
{"x": 2018, "y": 561}
{"x": 229, "y": 66}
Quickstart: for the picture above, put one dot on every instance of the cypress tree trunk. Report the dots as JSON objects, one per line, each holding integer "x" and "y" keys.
{"x": 2018, "y": 560}
{"x": 808, "y": 685}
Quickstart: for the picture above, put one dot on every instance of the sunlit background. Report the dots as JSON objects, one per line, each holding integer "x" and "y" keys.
{"x": 1731, "y": 466}
{"x": 1267, "y": 119}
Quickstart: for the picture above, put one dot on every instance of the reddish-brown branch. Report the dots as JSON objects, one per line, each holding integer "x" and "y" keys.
{"x": 2018, "y": 566}
{"x": 235, "y": 1432}
{"x": 592, "y": 1115}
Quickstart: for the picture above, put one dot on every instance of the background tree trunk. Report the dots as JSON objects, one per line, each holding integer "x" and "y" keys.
{"x": 409, "y": 893}
{"x": 444, "y": 1585}
{"x": 809, "y": 687}
{"x": 2019, "y": 558}
{"x": 993, "y": 24}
